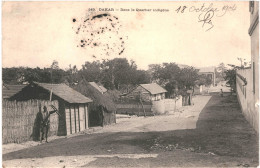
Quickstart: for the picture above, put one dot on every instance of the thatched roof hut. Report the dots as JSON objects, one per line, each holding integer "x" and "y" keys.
{"x": 72, "y": 105}
{"x": 103, "y": 109}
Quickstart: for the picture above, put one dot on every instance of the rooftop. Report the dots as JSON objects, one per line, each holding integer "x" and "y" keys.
{"x": 65, "y": 92}
{"x": 100, "y": 88}
{"x": 10, "y": 90}
{"x": 99, "y": 98}
{"x": 153, "y": 88}
{"x": 207, "y": 69}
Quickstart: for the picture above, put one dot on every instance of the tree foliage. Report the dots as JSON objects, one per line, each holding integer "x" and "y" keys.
{"x": 113, "y": 74}
{"x": 117, "y": 73}
{"x": 173, "y": 78}
{"x": 220, "y": 71}
{"x": 230, "y": 77}
{"x": 204, "y": 80}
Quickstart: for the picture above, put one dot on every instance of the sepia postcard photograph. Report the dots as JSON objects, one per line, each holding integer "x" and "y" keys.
{"x": 130, "y": 84}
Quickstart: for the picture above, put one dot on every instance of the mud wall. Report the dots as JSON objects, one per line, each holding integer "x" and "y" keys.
{"x": 167, "y": 105}
{"x": 246, "y": 97}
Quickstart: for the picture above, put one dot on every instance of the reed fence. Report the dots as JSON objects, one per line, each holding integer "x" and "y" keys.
{"x": 18, "y": 120}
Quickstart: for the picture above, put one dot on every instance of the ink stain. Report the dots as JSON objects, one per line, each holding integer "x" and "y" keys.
{"x": 102, "y": 33}
{"x": 100, "y": 16}
{"x": 121, "y": 51}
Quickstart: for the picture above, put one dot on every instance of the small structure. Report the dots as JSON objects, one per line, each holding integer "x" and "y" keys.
{"x": 209, "y": 71}
{"x": 73, "y": 106}
{"x": 9, "y": 90}
{"x": 200, "y": 89}
{"x": 100, "y": 88}
{"x": 148, "y": 92}
{"x": 103, "y": 110}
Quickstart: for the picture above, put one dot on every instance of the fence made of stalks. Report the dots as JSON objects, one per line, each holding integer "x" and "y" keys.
{"x": 19, "y": 120}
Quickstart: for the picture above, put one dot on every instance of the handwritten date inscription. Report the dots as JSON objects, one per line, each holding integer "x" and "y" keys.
{"x": 206, "y": 13}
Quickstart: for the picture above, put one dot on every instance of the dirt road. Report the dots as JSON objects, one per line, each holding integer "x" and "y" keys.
{"x": 213, "y": 132}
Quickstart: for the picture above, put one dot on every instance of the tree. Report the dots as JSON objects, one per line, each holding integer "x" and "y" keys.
{"x": 220, "y": 71}
{"x": 188, "y": 77}
{"x": 31, "y": 75}
{"x": 165, "y": 73}
{"x": 140, "y": 77}
{"x": 24, "y": 74}
{"x": 91, "y": 71}
{"x": 175, "y": 80}
{"x": 13, "y": 75}
{"x": 172, "y": 89}
{"x": 57, "y": 74}
{"x": 231, "y": 79}
{"x": 45, "y": 75}
{"x": 154, "y": 71}
{"x": 55, "y": 65}
{"x": 71, "y": 75}
{"x": 203, "y": 80}
{"x": 116, "y": 72}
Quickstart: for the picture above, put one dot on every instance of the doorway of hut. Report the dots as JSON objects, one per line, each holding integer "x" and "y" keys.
{"x": 96, "y": 116}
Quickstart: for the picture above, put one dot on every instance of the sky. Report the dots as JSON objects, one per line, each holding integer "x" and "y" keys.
{"x": 204, "y": 34}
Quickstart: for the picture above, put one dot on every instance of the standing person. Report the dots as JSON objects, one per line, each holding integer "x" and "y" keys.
{"x": 221, "y": 92}
{"x": 44, "y": 120}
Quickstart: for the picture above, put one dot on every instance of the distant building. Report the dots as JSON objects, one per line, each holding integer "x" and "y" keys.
{"x": 247, "y": 80}
{"x": 183, "y": 66}
{"x": 148, "y": 92}
{"x": 73, "y": 106}
{"x": 210, "y": 72}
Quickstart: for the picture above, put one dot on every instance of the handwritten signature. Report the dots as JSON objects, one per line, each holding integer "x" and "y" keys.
{"x": 206, "y": 19}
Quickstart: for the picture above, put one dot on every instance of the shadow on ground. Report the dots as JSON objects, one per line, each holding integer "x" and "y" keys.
{"x": 221, "y": 131}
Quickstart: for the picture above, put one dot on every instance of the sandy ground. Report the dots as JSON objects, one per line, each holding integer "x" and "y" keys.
{"x": 213, "y": 132}
{"x": 220, "y": 86}
{"x": 184, "y": 118}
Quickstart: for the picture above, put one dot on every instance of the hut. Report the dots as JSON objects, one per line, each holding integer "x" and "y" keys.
{"x": 73, "y": 106}
{"x": 103, "y": 110}
{"x": 148, "y": 92}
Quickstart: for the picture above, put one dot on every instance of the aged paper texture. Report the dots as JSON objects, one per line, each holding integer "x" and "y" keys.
{"x": 130, "y": 84}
